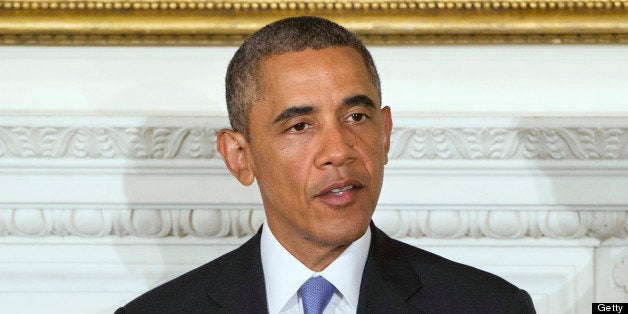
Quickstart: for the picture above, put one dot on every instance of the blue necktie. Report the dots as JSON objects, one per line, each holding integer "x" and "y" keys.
{"x": 316, "y": 293}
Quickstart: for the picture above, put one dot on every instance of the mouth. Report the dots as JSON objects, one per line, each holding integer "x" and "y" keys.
{"x": 340, "y": 193}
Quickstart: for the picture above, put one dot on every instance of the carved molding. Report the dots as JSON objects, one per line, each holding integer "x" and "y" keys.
{"x": 341, "y": 6}
{"x": 59, "y": 39}
{"x": 510, "y": 143}
{"x": 221, "y": 223}
{"x": 429, "y": 143}
{"x": 108, "y": 142}
{"x": 620, "y": 273}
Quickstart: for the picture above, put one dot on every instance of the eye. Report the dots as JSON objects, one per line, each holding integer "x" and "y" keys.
{"x": 299, "y": 127}
{"x": 357, "y": 117}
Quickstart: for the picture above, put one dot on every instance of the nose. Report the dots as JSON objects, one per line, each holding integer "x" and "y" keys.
{"x": 335, "y": 146}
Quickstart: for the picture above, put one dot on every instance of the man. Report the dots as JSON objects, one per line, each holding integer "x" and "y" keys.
{"x": 304, "y": 102}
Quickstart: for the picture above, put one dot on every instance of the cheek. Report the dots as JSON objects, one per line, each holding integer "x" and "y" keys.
{"x": 296, "y": 152}
{"x": 373, "y": 147}
{"x": 287, "y": 168}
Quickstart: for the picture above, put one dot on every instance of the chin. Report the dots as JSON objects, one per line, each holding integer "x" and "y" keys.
{"x": 342, "y": 233}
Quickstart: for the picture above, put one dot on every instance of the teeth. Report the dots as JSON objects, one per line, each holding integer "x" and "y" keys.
{"x": 339, "y": 191}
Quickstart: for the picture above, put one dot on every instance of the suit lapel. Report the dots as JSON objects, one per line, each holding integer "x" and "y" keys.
{"x": 240, "y": 288}
{"x": 389, "y": 283}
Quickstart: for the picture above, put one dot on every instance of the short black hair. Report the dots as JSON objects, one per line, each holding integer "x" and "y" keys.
{"x": 287, "y": 35}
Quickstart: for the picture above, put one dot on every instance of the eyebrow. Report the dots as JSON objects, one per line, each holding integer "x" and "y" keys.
{"x": 299, "y": 110}
{"x": 293, "y": 111}
{"x": 360, "y": 99}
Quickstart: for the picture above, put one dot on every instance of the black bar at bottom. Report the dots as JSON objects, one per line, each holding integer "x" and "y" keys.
{"x": 609, "y": 308}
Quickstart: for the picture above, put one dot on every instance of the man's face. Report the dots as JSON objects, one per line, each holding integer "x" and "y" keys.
{"x": 318, "y": 145}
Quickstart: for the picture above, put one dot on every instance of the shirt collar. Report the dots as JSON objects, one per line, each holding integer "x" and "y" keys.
{"x": 284, "y": 274}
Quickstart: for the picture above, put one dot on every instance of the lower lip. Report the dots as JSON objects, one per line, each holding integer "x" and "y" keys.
{"x": 339, "y": 199}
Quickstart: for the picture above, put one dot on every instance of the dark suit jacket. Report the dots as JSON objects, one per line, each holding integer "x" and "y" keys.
{"x": 397, "y": 278}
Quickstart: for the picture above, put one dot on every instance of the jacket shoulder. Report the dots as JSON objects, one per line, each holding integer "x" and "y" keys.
{"x": 190, "y": 292}
{"x": 454, "y": 287}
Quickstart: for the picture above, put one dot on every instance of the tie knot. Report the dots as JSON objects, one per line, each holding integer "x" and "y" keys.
{"x": 316, "y": 293}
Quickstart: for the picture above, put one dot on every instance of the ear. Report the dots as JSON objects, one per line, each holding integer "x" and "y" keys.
{"x": 387, "y": 129}
{"x": 233, "y": 148}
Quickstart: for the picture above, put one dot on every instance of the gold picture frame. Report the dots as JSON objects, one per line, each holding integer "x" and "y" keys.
{"x": 217, "y": 22}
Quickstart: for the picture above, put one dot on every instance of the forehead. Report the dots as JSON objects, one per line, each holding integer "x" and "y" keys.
{"x": 314, "y": 72}
{"x": 316, "y": 53}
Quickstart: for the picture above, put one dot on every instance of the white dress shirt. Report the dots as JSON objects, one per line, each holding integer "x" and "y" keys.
{"x": 284, "y": 275}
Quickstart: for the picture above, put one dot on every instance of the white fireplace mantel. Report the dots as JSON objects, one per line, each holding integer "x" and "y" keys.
{"x": 513, "y": 159}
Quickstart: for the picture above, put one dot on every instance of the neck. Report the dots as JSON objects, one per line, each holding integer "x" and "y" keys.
{"x": 317, "y": 259}
{"x": 314, "y": 255}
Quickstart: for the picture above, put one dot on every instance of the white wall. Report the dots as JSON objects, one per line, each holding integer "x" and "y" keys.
{"x": 510, "y": 158}
{"x": 462, "y": 80}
